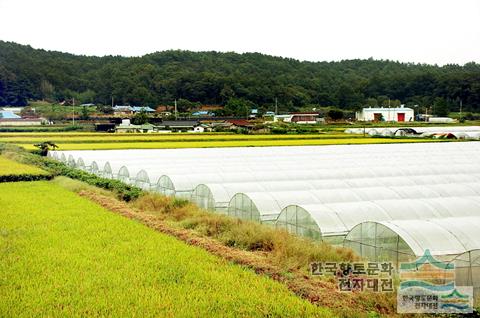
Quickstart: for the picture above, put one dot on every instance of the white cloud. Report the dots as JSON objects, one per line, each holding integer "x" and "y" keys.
{"x": 427, "y": 31}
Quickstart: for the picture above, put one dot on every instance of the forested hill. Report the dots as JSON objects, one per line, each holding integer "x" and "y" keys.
{"x": 215, "y": 78}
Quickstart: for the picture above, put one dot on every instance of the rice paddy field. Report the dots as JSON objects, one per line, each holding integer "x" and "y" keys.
{"x": 65, "y": 256}
{"x": 10, "y": 167}
{"x": 104, "y": 141}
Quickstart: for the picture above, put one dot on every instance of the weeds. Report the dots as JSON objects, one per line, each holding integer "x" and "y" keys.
{"x": 288, "y": 251}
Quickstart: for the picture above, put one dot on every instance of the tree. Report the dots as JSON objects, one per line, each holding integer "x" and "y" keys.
{"x": 45, "y": 146}
{"x": 226, "y": 93}
{"x": 335, "y": 114}
{"x": 84, "y": 115}
{"x": 47, "y": 89}
{"x": 441, "y": 107}
{"x": 237, "y": 107}
{"x": 106, "y": 109}
{"x": 217, "y": 78}
{"x": 140, "y": 118}
{"x": 371, "y": 102}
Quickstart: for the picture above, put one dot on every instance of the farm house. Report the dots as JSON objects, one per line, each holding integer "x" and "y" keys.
{"x": 398, "y": 114}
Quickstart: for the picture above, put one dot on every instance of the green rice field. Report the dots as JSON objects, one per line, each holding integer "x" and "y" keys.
{"x": 64, "y": 256}
{"x": 10, "y": 167}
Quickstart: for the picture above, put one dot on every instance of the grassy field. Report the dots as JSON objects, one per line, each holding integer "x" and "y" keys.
{"x": 10, "y": 167}
{"x": 62, "y": 255}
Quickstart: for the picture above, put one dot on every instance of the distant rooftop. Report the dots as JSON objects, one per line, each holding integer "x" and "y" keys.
{"x": 386, "y": 108}
{"x": 5, "y": 114}
{"x": 133, "y": 108}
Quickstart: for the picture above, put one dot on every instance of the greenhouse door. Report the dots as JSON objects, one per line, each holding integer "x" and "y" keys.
{"x": 401, "y": 117}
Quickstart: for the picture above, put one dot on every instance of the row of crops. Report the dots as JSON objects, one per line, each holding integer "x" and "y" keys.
{"x": 390, "y": 201}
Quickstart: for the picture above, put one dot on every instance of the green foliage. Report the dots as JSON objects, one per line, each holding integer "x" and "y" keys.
{"x": 84, "y": 114}
{"x": 56, "y": 168}
{"x": 122, "y": 190}
{"x": 238, "y": 107}
{"x": 105, "y": 109}
{"x": 335, "y": 114}
{"x": 140, "y": 118}
{"x": 24, "y": 177}
{"x": 279, "y": 130}
{"x": 45, "y": 146}
{"x": 217, "y": 78}
{"x": 441, "y": 107}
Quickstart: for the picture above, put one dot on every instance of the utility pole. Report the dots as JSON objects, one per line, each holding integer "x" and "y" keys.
{"x": 112, "y": 101}
{"x": 73, "y": 112}
{"x": 175, "y": 111}
{"x": 276, "y": 106}
{"x": 461, "y": 104}
{"x": 389, "y": 111}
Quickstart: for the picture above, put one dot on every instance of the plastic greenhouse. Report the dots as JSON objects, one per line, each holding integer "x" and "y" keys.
{"x": 123, "y": 174}
{"x": 333, "y": 221}
{"x": 467, "y": 271}
{"x": 71, "y": 161}
{"x": 460, "y": 132}
{"x": 388, "y": 201}
{"x": 80, "y": 164}
{"x": 93, "y": 168}
{"x": 406, "y": 240}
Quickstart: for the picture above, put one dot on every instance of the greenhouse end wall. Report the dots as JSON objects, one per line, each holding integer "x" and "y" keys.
{"x": 299, "y": 222}
{"x": 376, "y": 242}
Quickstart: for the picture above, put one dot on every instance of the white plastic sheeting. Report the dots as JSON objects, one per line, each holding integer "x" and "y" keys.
{"x": 444, "y": 237}
{"x": 459, "y": 132}
{"x": 390, "y": 201}
{"x": 216, "y": 196}
{"x": 337, "y": 219}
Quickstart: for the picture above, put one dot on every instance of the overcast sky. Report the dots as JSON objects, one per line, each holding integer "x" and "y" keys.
{"x": 425, "y": 31}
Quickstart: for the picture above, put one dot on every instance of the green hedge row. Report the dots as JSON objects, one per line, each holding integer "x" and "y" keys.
{"x": 24, "y": 177}
{"x": 56, "y": 168}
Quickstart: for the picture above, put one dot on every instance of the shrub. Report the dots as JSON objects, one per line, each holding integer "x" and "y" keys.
{"x": 335, "y": 114}
{"x": 279, "y": 131}
{"x": 24, "y": 177}
{"x": 44, "y": 147}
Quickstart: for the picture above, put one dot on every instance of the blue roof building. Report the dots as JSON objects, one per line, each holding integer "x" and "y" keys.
{"x": 8, "y": 115}
{"x": 135, "y": 109}
{"x": 201, "y": 113}
{"x": 143, "y": 108}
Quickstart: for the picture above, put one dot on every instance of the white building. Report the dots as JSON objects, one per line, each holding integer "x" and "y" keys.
{"x": 298, "y": 118}
{"x": 398, "y": 114}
